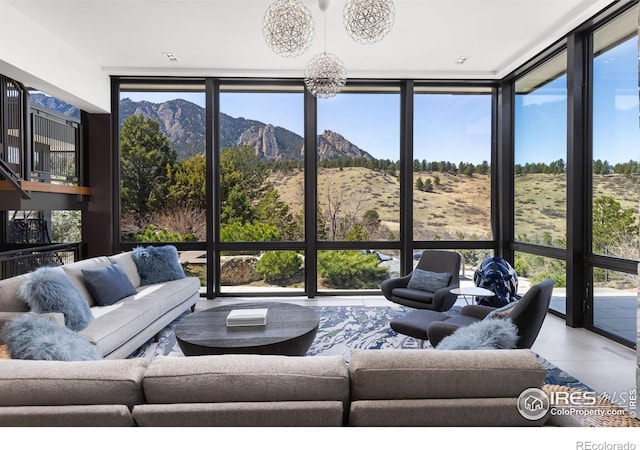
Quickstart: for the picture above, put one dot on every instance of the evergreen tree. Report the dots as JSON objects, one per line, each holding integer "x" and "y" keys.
{"x": 189, "y": 182}
{"x": 146, "y": 160}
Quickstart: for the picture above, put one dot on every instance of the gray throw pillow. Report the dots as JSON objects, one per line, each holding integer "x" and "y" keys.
{"x": 49, "y": 289}
{"x": 424, "y": 280}
{"x": 108, "y": 284}
{"x": 38, "y": 338}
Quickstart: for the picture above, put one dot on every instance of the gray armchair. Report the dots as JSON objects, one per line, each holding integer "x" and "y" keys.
{"x": 527, "y": 315}
{"x": 396, "y": 290}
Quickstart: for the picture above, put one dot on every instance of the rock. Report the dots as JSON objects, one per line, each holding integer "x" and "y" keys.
{"x": 235, "y": 270}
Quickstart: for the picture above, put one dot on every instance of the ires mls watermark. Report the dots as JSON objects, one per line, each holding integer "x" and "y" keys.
{"x": 534, "y": 403}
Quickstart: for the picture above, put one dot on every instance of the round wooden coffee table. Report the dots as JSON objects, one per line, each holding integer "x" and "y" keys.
{"x": 290, "y": 330}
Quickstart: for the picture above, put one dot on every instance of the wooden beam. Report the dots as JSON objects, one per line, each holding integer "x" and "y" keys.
{"x": 36, "y": 186}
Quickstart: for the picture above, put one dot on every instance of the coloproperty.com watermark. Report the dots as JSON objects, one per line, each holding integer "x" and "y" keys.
{"x": 534, "y": 404}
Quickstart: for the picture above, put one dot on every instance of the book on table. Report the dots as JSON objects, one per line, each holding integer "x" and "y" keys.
{"x": 247, "y": 317}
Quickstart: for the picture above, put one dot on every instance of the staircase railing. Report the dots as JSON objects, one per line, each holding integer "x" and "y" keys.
{"x": 19, "y": 260}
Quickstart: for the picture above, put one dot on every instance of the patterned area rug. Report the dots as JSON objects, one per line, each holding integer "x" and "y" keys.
{"x": 344, "y": 328}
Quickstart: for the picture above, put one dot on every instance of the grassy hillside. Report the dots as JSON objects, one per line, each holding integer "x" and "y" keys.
{"x": 460, "y": 204}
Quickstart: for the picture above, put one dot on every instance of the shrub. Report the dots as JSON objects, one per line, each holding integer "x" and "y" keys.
{"x": 347, "y": 269}
{"x": 277, "y": 266}
{"x": 248, "y": 232}
{"x": 152, "y": 234}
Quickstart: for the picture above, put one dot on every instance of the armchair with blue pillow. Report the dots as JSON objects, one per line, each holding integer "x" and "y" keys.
{"x": 429, "y": 285}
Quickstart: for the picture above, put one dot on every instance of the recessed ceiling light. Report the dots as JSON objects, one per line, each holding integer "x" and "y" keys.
{"x": 461, "y": 59}
{"x": 170, "y": 56}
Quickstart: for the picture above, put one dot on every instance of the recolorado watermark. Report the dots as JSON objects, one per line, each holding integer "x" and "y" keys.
{"x": 590, "y": 445}
{"x": 534, "y": 404}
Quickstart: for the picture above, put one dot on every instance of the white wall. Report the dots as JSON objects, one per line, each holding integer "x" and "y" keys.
{"x": 38, "y": 59}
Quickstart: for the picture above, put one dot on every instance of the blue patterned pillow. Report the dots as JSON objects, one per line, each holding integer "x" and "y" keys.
{"x": 157, "y": 264}
{"x": 424, "y": 280}
{"x": 41, "y": 339}
{"x": 49, "y": 289}
{"x": 108, "y": 284}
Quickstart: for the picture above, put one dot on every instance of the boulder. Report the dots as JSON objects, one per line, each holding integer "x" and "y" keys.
{"x": 235, "y": 270}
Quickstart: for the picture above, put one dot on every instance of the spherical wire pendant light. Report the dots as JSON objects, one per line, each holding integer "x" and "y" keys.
{"x": 325, "y": 74}
{"x": 368, "y": 21}
{"x": 288, "y": 28}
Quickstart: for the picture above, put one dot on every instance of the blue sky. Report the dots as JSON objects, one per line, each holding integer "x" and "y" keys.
{"x": 457, "y": 127}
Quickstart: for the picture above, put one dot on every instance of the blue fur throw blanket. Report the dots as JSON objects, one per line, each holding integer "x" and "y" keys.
{"x": 486, "y": 334}
{"x": 49, "y": 289}
{"x": 38, "y": 338}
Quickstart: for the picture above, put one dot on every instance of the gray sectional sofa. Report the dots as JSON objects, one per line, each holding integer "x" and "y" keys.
{"x": 120, "y": 329}
{"x": 376, "y": 388}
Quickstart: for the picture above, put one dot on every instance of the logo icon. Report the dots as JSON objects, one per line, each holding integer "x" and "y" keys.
{"x": 533, "y": 404}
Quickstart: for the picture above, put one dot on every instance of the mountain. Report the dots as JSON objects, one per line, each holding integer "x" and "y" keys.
{"x": 184, "y": 123}
{"x": 54, "y": 104}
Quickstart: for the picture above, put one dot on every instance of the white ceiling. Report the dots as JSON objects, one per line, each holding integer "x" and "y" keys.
{"x": 70, "y": 48}
{"x": 224, "y": 37}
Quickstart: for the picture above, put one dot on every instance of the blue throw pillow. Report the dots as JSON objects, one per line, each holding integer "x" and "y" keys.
{"x": 157, "y": 264}
{"x": 108, "y": 284}
{"x": 39, "y": 338}
{"x": 49, "y": 289}
{"x": 424, "y": 280}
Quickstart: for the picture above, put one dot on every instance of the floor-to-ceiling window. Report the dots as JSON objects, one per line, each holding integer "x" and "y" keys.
{"x": 358, "y": 187}
{"x": 540, "y": 170}
{"x": 261, "y": 188}
{"x": 615, "y": 168}
{"x": 162, "y": 168}
{"x": 452, "y": 148}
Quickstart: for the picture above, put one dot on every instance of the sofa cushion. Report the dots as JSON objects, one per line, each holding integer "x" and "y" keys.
{"x": 246, "y": 378}
{"x": 66, "y": 416}
{"x": 423, "y": 374}
{"x": 31, "y": 337}
{"x": 74, "y": 270}
{"x": 425, "y": 280}
{"x": 108, "y": 284}
{"x": 157, "y": 264}
{"x": 49, "y": 289}
{"x": 241, "y": 414}
{"x": 435, "y": 412}
{"x": 128, "y": 265}
{"x": 10, "y": 300}
{"x": 49, "y": 383}
{"x": 129, "y": 316}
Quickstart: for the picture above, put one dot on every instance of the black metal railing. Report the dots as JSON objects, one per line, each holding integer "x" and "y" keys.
{"x": 23, "y": 260}
{"x": 12, "y": 101}
{"x": 55, "y": 147}
{"x": 49, "y": 150}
